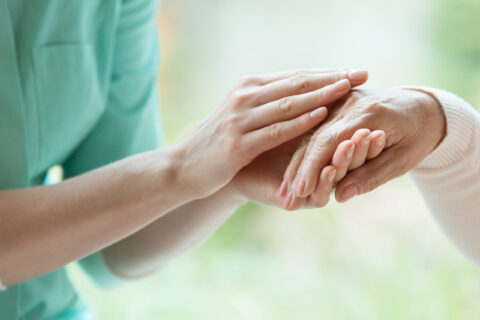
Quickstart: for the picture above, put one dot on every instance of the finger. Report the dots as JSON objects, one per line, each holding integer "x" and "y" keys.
{"x": 298, "y": 84}
{"x": 378, "y": 140}
{"x": 318, "y": 155}
{"x": 342, "y": 158}
{"x": 361, "y": 139}
{"x": 292, "y": 168}
{"x": 389, "y": 164}
{"x": 292, "y": 202}
{"x": 354, "y": 77}
{"x": 321, "y": 195}
{"x": 269, "y": 137}
{"x": 291, "y": 107}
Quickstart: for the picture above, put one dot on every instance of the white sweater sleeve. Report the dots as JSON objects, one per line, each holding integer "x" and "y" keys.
{"x": 449, "y": 178}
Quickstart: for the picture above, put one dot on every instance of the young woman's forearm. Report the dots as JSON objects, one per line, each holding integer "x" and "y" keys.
{"x": 173, "y": 234}
{"x": 44, "y": 228}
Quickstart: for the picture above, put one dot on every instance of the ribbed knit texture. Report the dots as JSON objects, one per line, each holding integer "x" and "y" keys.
{"x": 449, "y": 179}
{"x": 460, "y": 118}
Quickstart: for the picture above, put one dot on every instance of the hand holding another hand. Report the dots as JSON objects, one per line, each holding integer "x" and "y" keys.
{"x": 414, "y": 125}
{"x": 261, "y": 113}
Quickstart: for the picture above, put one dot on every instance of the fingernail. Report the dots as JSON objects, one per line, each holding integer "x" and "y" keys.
{"x": 342, "y": 85}
{"x": 349, "y": 192}
{"x": 318, "y": 113}
{"x": 301, "y": 186}
{"x": 291, "y": 201}
{"x": 365, "y": 142}
{"x": 331, "y": 175}
{"x": 380, "y": 141}
{"x": 287, "y": 200}
{"x": 358, "y": 75}
{"x": 283, "y": 188}
{"x": 350, "y": 151}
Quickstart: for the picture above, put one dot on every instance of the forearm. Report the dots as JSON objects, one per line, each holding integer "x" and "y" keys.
{"x": 44, "y": 228}
{"x": 173, "y": 234}
{"x": 449, "y": 178}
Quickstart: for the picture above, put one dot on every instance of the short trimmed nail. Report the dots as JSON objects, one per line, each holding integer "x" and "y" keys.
{"x": 291, "y": 201}
{"x": 283, "y": 188}
{"x": 287, "y": 200}
{"x": 331, "y": 175}
{"x": 350, "y": 151}
{"x": 380, "y": 141}
{"x": 349, "y": 192}
{"x": 342, "y": 85}
{"x": 318, "y": 113}
{"x": 357, "y": 75}
{"x": 301, "y": 186}
{"x": 365, "y": 141}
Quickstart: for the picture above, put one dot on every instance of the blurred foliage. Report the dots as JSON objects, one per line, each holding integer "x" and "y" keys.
{"x": 456, "y": 35}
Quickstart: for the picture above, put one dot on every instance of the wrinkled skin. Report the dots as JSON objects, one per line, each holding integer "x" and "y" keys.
{"x": 414, "y": 124}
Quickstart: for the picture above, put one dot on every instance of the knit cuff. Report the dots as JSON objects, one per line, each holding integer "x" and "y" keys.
{"x": 460, "y": 121}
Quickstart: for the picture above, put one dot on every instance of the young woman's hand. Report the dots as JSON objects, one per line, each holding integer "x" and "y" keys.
{"x": 261, "y": 113}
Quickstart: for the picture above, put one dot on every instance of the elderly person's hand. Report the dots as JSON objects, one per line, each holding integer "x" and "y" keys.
{"x": 260, "y": 180}
{"x": 414, "y": 124}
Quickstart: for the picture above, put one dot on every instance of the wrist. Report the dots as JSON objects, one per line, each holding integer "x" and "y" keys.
{"x": 174, "y": 172}
{"x": 437, "y": 118}
{"x": 434, "y": 119}
{"x": 460, "y": 119}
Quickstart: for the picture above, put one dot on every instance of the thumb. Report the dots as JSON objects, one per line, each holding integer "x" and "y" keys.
{"x": 391, "y": 164}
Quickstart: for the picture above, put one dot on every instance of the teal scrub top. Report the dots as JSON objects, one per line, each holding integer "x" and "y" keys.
{"x": 77, "y": 88}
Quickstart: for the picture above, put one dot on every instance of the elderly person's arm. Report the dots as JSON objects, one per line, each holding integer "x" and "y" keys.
{"x": 449, "y": 178}
{"x": 431, "y": 132}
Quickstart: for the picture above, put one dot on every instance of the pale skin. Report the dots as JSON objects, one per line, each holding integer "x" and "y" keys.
{"x": 414, "y": 119}
{"x": 176, "y": 188}
{"x": 414, "y": 124}
{"x": 188, "y": 225}
{"x": 350, "y": 154}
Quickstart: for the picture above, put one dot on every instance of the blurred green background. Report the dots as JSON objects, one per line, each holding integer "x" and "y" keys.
{"x": 381, "y": 256}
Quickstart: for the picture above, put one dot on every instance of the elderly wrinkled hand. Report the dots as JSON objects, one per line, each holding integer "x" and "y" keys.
{"x": 408, "y": 123}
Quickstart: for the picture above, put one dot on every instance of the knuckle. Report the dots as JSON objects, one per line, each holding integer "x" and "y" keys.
{"x": 376, "y": 109}
{"x": 233, "y": 145}
{"x": 327, "y": 141}
{"x": 248, "y": 80}
{"x": 338, "y": 76}
{"x": 242, "y": 96}
{"x": 322, "y": 94}
{"x": 285, "y": 105}
{"x": 233, "y": 120}
{"x": 275, "y": 131}
{"x": 301, "y": 82}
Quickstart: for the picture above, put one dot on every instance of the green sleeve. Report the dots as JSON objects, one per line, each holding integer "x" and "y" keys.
{"x": 130, "y": 123}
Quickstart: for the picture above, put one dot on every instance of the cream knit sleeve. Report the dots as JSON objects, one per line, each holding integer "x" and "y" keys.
{"x": 449, "y": 178}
